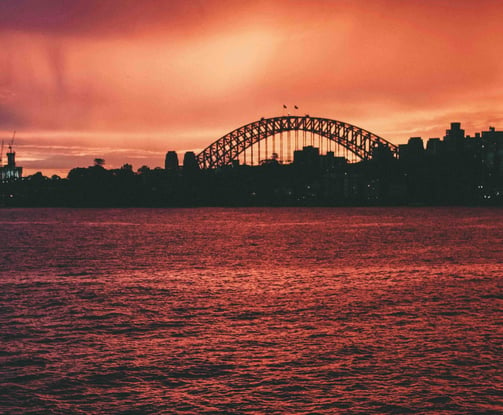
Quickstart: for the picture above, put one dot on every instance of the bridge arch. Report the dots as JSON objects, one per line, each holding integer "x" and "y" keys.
{"x": 228, "y": 148}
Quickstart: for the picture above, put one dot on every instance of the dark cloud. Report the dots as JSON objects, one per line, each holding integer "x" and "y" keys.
{"x": 103, "y": 17}
{"x": 100, "y": 17}
{"x": 10, "y": 119}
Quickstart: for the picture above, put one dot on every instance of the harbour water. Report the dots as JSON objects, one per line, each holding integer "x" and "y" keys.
{"x": 251, "y": 310}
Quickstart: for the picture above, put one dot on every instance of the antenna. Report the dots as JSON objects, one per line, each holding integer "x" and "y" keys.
{"x": 1, "y": 155}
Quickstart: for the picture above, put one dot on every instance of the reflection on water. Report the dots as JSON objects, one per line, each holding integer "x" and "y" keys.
{"x": 198, "y": 311}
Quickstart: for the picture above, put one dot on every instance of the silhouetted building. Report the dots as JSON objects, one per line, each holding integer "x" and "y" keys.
{"x": 413, "y": 151}
{"x": 330, "y": 162}
{"x": 492, "y": 134}
{"x": 435, "y": 147}
{"x": 10, "y": 171}
{"x": 492, "y": 142}
{"x": 190, "y": 162}
{"x": 308, "y": 158}
{"x": 469, "y": 172}
{"x": 382, "y": 153}
{"x": 454, "y": 138}
{"x": 455, "y": 133}
{"x": 171, "y": 161}
{"x": 416, "y": 146}
{"x": 273, "y": 161}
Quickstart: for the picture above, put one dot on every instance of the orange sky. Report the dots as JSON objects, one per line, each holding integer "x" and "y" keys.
{"x": 127, "y": 80}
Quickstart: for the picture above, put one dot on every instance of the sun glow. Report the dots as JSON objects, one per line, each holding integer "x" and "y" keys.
{"x": 175, "y": 76}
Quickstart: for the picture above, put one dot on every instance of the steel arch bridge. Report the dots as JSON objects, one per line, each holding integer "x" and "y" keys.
{"x": 356, "y": 140}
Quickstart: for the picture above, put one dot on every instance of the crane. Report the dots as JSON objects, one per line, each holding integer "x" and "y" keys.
{"x": 12, "y": 142}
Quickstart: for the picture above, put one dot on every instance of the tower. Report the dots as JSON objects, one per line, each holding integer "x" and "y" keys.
{"x": 171, "y": 161}
{"x": 10, "y": 171}
{"x": 190, "y": 162}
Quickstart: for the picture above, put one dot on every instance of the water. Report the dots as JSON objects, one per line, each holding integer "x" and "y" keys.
{"x": 209, "y": 311}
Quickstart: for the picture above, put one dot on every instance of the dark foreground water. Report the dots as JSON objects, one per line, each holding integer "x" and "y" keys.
{"x": 199, "y": 311}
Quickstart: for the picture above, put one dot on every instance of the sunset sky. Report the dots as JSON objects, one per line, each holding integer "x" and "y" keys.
{"x": 127, "y": 80}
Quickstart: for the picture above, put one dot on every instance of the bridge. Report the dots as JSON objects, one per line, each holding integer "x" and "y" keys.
{"x": 267, "y": 136}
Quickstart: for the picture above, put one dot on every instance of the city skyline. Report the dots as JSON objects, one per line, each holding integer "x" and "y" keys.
{"x": 127, "y": 82}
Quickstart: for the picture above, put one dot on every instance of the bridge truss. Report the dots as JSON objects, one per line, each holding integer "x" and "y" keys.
{"x": 243, "y": 140}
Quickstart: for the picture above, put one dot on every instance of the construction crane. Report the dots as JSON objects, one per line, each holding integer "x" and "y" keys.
{"x": 12, "y": 142}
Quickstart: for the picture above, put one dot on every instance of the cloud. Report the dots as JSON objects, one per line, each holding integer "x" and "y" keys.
{"x": 10, "y": 119}
{"x": 89, "y": 17}
{"x": 161, "y": 75}
{"x": 122, "y": 18}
